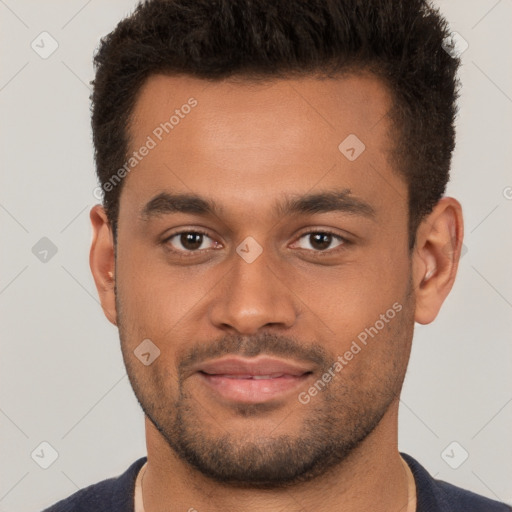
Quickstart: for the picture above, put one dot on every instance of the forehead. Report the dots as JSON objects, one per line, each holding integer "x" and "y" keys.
{"x": 355, "y": 102}
{"x": 260, "y": 139}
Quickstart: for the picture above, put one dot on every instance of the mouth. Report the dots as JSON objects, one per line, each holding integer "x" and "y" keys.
{"x": 254, "y": 380}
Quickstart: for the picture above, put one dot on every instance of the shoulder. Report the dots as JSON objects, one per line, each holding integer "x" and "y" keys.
{"x": 110, "y": 495}
{"x": 467, "y": 500}
{"x": 439, "y": 496}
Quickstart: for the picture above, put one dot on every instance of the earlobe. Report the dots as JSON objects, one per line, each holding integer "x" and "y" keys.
{"x": 102, "y": 261}
{"x": 436, "y": 257}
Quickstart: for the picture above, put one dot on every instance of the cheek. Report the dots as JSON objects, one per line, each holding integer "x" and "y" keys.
{"x": 350, "y": 297}
{"x": 157, "y": 300}
{"x": 375, "y": 353}
{"x": 140, "y": 304}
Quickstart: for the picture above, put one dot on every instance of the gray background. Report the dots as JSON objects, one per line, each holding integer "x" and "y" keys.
{"x": 62, "y": 375}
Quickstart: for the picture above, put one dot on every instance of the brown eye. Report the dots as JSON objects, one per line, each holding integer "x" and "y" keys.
{"x": 321, "y": 241}
{"x": 189, "y": 241}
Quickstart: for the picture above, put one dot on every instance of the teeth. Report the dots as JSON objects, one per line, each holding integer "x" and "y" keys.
{"x": 256, "y": 377}
{"x": 248, "y": 376}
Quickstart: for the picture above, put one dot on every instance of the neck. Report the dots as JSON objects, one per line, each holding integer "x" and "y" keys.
{"x": 372, "y": 477}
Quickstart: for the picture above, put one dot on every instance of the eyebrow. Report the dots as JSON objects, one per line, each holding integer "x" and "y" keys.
{"x": 322, "y": 202}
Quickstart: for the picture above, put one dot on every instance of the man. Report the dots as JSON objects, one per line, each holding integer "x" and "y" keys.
{"x": 273, "y": 224}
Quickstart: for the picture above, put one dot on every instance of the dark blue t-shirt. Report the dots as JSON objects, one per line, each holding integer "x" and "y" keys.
{"x": 117, "y": 494}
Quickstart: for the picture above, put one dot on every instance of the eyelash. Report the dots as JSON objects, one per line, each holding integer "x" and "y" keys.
{"x": 327, "y": 252}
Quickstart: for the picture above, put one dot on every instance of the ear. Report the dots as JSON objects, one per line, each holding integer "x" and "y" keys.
{"x": 436, "y": 257}
{"x": 102, "y": 261}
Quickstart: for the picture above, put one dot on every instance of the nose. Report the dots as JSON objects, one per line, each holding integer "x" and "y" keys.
{"x": 252, "y": 296}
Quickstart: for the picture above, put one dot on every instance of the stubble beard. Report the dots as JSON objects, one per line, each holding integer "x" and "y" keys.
{"x": 334, "y": 423}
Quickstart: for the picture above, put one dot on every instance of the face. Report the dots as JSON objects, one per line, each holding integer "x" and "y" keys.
{"x": 270, "y": 270}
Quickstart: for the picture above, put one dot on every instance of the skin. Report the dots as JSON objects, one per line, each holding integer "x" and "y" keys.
{"x": 248, "y": 146}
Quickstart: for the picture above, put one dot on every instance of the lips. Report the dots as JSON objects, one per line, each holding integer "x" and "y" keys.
{"x": 257, "y": 367}
{"x": 254, "y": 380}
